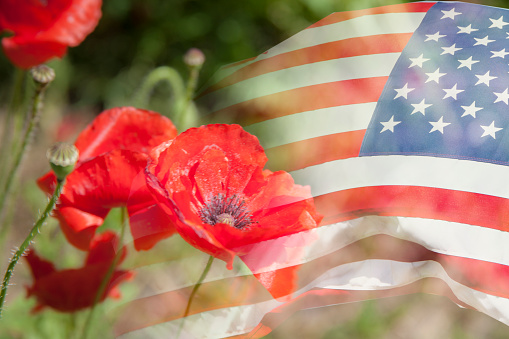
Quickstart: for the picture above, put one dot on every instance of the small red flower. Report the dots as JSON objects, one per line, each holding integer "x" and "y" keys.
{"x": 71, "y": 290}
{"x": 211, "y": 181}
{"x": 113, "y": 155}
{"x": 43, "y": 29}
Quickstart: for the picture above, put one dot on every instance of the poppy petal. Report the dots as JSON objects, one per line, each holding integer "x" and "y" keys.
{"x": 71, "y": 290}
{"x": 26, "y": 53}
{"x": 126, "y": 128}
{"x": 103, "y": 249}
{"x": 44, "y": 29}
{"x": 92, "y": 189}
{"x": 149, "y": 222}
{"x": 75, "y": 23}
{"x": 39, "y": 266}
{"x": 78, "y": 226}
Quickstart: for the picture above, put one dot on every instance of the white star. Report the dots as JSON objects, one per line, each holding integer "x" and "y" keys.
{"x": 470, "y": 110}
{"x": 484, "y": 79}
{"x": 484, "y": 41}
{"x": 450, "y": 50}
{"x": 435, "y": 76}
{"x": 452, "y": 92}
{"x": 467, "y": 63}
{"x": 418, "y": 61}
{"x": 439, "y": 125}
{"x": 420, "y": 107}
{"x": 504, "y": 96}
{"x": 467, "y": 29}
{"x": 403, "y": 91}
{"x": 500, "y": 54}
{"x": 450, "y": 14}
{"x": 498, "y": 23}
{"x": 490, "y": 130}
{"x": 434, "y": 37}
{"x": 389, "y": 125}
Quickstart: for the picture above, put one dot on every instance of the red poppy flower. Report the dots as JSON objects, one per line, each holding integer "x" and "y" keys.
{"x": 113, "y": 151}
{"x": 43, "y": 29}
{"x": 211, "y": 180}
{"x": 71, "y": 290}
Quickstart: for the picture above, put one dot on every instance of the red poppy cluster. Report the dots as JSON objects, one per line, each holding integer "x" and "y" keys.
{"x": 113, "y": 151}
{"x": 43, "y": 29}
{"x": 208, "y": 184}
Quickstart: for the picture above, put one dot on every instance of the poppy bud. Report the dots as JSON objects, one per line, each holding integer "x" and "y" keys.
{"x": 62, "y": 157}
{"x": 194, "y": 58}
{"x": 42, "y": 75}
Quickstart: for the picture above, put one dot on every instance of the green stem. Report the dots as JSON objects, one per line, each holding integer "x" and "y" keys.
{"x": 182, "y": 118}
{"x": 107, "y": 277}
{"x": 35, "y": 112}
{"x": 13, "y": 114}
{"x": 163, "y": 73}
{"x": 194, "y": 291}
{"x": 71, "y": 325}
{"x": 35, "y": 230}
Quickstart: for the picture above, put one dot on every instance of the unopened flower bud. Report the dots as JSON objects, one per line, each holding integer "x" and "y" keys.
{"x": 42, "y": 75}
{"x": 194, "y": 58}
{"x": 62, "y": 158}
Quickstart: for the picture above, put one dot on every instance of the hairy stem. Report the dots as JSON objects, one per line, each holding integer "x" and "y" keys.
{"x": 14, "y": 113}
{"x": 35, "y": 230}
{"x": 35, "y": 112}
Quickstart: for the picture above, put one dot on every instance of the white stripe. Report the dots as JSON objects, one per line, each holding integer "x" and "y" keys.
{"x": 390, "y": 23}
{"x": 384, "y": 274}
{"x": 445, "y": 237}
{"x": 457, "y": 239}
{"x": 312, "y": 124}
{"x": 365, "y": 66}
{"x": 454, "y": 174}
{"x": 368, "y": 274}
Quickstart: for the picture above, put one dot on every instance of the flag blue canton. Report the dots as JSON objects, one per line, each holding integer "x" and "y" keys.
{"x": 448, "y": 94}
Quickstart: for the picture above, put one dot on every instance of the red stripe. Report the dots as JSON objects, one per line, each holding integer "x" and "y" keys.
{"x": 314, "y": 151}
{"x": 415, "y": 201}
{"x": 400, "y": 8}
{"x": 376, "y": 44}
{"x": 304, "y": 99}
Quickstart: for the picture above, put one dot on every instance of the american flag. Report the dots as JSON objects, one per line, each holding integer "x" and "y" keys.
{"x": 397, "y": 117}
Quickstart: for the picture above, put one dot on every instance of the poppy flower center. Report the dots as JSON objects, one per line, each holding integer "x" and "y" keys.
{"x": 230, "y": 211}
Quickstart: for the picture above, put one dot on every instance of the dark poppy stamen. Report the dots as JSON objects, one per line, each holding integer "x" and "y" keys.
{"x": 230, "y": 211}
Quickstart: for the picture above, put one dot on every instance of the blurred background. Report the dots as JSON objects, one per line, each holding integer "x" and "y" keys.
{"x": 132, "y": 38}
